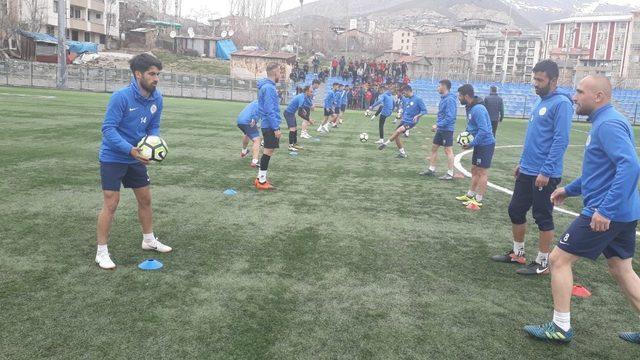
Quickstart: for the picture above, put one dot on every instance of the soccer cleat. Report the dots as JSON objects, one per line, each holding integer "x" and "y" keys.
{"x": 340, "y": 121}
{"x": 382, "y": 146}
{"x": 463, "y": 198}
{"x": 406, "y": 134}
{"x": 292, "y": 148}
{"x": 379, "y": 142}
{"x": 263, "y": 186}
{"x": 325, "y": 127}
{"x": 156, "y": 245}
{"x": 533, "y": 269}
{"x": 254, "y": 164}
{"x": 373, "y": 117}
{"x": 472, "y": 202}
{"x": 401, "y": 156}
{"x": 427, "y": 172}
{"x": 305, "y": 135}
{"x": 298, "y": 147}
{"x": 510, "y": 257}
{"x": 632, "y": 337}
{"x": 104, "y": 261}
{"x": 243, "y": 153}
{"x": 549, "y": 332}
{"x": 321, "y": 129}
{"x": 446, "y": 176}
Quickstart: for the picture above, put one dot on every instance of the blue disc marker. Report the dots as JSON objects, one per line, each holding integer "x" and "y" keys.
{"x": 150, "y": 264}
{"x": 230, "y": 192}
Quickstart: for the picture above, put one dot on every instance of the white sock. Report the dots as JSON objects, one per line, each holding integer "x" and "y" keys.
{"x": 518, "y": 248}
{"x": 479, "y": 197}
{"x": 543, "y": 258}
{"x": 450, "y": 172}
{"x": 102, "y": 249}
{"x": 254, "y": 161}
{"x": 432, "y": 168}
{"x": 245, "y": 150}
{"x": 401, "y": 150}
{"x": 471, "y": 193}
{"x": 262, "y": 176}
{"x": 563, "y": 320}
{"x": 148, "y": 238}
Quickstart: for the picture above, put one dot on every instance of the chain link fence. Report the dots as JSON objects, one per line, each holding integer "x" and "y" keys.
{"x": 87, "y": 78}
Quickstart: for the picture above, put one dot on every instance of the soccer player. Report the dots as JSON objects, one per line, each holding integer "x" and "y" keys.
{"x": 540, "y": 169}
{"x": 344, "y": 100}
{"x": 269, "y": 107}
{"x": 607, "y": 225}
{"x": 133, "y": 112}
{"x": 444, "y": 128}
{"x": 329, "y": 113}
{"x": 248, "y": 121}
{"x": 296, "y": 104}
{"x": 413, "y": 109}
{"x": 385, "y": 108}
{"x": 305, "y": 111}
{"x": 337, "y": 105}
{"x": 483, "y": 144}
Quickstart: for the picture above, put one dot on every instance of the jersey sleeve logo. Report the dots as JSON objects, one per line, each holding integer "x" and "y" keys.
{"x": 542, "y": 111}
{"x": 153, "y": 109}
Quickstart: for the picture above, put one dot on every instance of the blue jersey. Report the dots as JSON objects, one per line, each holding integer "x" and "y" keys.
{"x": 269, "y": 104}
{"x": 447, "y": 112}
{"x": 547, "y": 136}
{"x": 386, "y": 100}
{"x": 345, "y": 98}
{"x": 479, "y": 124}
{"x": 329, "y": 99}
{"x": 308, "y": 101}
{"x": 249, "y": 113}
{"x": 610, "y": 169}
{"x": 337, "y": 99}
{"x": 129, "y": 117}
{"x": 296, "y": 103}
{"x": 412, "y": 106}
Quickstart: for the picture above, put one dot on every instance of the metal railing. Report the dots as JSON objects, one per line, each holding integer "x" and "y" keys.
{"x": 88, "y": 78}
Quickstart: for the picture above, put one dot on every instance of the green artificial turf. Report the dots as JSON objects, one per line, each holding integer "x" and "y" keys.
{"x": 353, "y": 257}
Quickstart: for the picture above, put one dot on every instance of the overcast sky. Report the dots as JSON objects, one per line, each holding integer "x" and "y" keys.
{"x": 221, "y": 7}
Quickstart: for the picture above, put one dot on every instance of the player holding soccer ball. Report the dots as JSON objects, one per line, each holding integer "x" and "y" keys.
{"x": 133, "y": 112}
{"x": 483, "y": 144}
{"x": 413, "y": 109}
{"x": 248, "y": 122}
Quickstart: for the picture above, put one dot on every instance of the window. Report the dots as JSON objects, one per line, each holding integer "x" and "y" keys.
{"x": 103, "y": 39}
{"x": 87, "y": 37}
{"x": 55, "y": 6}
{"x": 98, "y": 16}
{"x": 50, "y": 30}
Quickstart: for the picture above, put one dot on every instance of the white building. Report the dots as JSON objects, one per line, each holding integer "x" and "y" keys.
{"x": 404, "y": 40}
{"x": 509, "y": 54}
{"x": 87, "y": 20}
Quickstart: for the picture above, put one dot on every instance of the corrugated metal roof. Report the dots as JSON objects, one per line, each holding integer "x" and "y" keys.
{"x": 602, "y": 18}
{"x": 39, "y": 37}
{"x": 264, "y": 54}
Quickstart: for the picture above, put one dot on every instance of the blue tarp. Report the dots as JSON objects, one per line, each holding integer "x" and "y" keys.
{"x": 224, "y": 48}
{"x": 77, "y": 47}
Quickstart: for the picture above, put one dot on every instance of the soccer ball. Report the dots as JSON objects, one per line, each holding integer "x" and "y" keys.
{"x": 464, "y": 138}
{"x": 364, "y": 137}
{"x": 367, "y": 113}
{"x": 153, "y": 148}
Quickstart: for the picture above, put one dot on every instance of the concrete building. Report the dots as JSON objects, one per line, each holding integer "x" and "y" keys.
{"x": 607, "y": 41}
{"x": 417, "y": 66}
{"x": 474, "y": 27}
{"x": 353, "y": 40}
{"x": 441, "y": 43}
{"x": 403, "y": 40}
{"x": 88, "y": 20}
{"x": 509, "y": 53}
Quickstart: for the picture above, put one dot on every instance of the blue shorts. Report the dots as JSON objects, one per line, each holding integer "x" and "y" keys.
{"x": 443, "y": 138}
{"x": 482, "y": 155}
{"x": 328, "y": 112}
{"x": 336, "y": 110}
{"x": 407, "y": 125}
{"x": 291, "y": 119}
{"x": 252, "y": 132}
{"x": 343, "y": 108}
{"x": 130, "y": 175}
{"x": 580, "y": 240}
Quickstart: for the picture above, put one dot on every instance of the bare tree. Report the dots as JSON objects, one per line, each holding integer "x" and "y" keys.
{"x": 8, "y": 21}
{"x": 35, "y": 12}
{"x": 110, "y": 7}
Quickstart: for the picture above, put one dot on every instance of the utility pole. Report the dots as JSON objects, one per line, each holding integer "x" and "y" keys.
{"x": 62, "y": 48}
{"x": 299, "y": 28}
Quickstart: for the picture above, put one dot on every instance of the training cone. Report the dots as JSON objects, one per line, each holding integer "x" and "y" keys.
{"x": 473, "y": 207}
{"x": 230, "y": 192}
{"x": 580, "y": 291}
{"x": 293, "y": 153}
{"x": 150, "y": 264}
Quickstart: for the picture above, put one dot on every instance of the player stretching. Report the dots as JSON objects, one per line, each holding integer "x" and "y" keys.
{"x": 385, "y": 109}
{"x": 413, "y": 109}
{"x": 269, "y": 106}
{"x": 444, "y": 128}
{"x": 295, "y": 105}
{"x": 607, "y": 225}
{"x": 248, "y": 122}
{"x": 305, "y": 111}
{"x": 540, "y": 169}
{"x": 133, "y": 112}
{"x": 329, "y": 112}
{"x": 483, "y": 144}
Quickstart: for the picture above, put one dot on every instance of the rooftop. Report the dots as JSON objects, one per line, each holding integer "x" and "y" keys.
{"x": 601, "y": 18}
